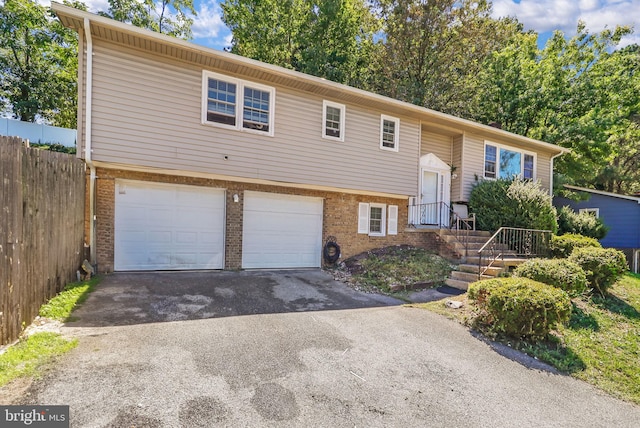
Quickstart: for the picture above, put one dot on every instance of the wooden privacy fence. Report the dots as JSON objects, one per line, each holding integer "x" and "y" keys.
{"x": 41, "y": 230}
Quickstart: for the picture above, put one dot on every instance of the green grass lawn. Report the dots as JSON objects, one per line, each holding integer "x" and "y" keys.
{"x": 31, "y": 354}
{"x": 600, "y": 344}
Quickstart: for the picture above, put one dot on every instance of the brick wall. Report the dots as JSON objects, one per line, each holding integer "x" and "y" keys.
{"x": 340, "y": 216}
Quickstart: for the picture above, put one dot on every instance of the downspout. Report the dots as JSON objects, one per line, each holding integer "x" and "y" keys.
{"x": 87, "y": 141}
{"x": 551, "y": 173}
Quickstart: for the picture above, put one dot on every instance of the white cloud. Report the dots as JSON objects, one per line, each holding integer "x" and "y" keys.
{"x": 208, "y": 22}
{"x": 549, "y": 15}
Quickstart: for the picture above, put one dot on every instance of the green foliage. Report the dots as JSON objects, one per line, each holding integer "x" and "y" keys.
{"x": 560, "y": 273}
{"x": 400, "y": 267}
{"x": 331, "y": 39}
{"x": 580, "y": 223}
{"x": 512, "y": 203}
{"x": 603, "y": 266}
{"x": 54, "y": 148}
{"x": 38, "y": 64}
{"x": 562, "y": 246}
{"x": 433, "y": 51}
{"x": 172, "y": 17}
{"x": 520, "y": 307}
{"x": 31, "y": 353}
{"x": 578, "y": 93}
{"x": 60, "y": 307}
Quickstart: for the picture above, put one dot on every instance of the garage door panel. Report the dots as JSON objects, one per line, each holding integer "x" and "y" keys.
{"x": 166, "y": 226}
{"x": 281, "y": 231}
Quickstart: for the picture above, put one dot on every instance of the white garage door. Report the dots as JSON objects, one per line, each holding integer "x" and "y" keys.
{"x": 168, "y": 227}
{"x": 281, "y": 231}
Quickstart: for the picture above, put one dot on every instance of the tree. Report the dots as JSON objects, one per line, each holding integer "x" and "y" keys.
{"x": 331, "y": 39}
{"x": 577, "y": 93}
{"x": 38, "y": 64}
{"x": 170, "y": 17}
{"x": 434, "y": 50}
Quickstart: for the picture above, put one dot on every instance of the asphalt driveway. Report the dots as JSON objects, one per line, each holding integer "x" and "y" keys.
{"x": 175, "y": 350}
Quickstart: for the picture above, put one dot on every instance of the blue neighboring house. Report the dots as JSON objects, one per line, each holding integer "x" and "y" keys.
{"x": 620, "y": 213}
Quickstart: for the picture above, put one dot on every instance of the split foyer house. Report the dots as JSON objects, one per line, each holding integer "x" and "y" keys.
{"x": 620, "y": 213}
{"x": 201, "y": 159}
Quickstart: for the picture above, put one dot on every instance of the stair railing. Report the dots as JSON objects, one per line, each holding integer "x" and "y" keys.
{"x": 441, "y": 215}
{"x": 513, "y": 242}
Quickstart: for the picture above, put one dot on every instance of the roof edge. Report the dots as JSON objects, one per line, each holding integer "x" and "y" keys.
{"x": 602, "y": 192}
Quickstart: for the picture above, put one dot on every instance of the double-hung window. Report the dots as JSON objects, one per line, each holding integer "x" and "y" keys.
{"x": 507, "y": 162}
{"x": 333, "y": 120}
{"x": 237, "y": 104}
{"x": 377, "y": 219}
{"x": 389, "y": 133}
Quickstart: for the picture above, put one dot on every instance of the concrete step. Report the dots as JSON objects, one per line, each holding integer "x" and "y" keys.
{"x": 468, "y": 276}
{"x": 471, "y": 268}
{"x": 460, "y": 285}
{"x": 508, "y": 261}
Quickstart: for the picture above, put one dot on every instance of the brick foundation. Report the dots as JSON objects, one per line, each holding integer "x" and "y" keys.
{"x": 340, "y": 216}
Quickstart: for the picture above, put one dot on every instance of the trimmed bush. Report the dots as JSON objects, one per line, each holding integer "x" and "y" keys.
{"x": 512, "y": 203}
{"x": 603, "y": 266}
{"x": 584, "y": 223}
{"x": 560, "y": 273}
{"x": 520, "y": 307}
{"x": 562, "y": 246}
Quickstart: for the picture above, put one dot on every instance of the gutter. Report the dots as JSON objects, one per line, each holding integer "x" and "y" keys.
{"x": 87, "y": 142}
{"x": 551, "y": 173}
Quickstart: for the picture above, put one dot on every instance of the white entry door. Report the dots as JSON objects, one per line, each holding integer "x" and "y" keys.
{"x": 435, "y": 191}
{"x": 168, "y": 226}
{"x": 430, "y": 207}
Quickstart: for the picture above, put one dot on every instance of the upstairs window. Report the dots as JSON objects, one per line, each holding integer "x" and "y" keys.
{"x": 507, "y": 162}
{"x": 333, "y": 120}
{"x": 389, "y": 130}
{"x": 221, "y": 107}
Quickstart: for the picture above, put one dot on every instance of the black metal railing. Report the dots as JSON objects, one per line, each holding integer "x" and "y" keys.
{"x": 441, "y": 215}
{"x": 511, "y": 242}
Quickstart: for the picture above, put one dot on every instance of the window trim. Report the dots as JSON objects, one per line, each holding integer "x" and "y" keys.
{"x": 383, "y": 219}
{"x": 512, "y": 149}
{"x": 389, "y": 219}
{"x": 396, "y": 135}
{"x": 343, "y": 109}
{"x": 239, "y": 106}
{"x": 595, "y": 211}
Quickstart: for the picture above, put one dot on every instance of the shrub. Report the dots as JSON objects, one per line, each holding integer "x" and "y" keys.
{"x": 560, "y": 273}
{"x": 580, "y": 223}
{"x": 603, "y": 266}
{"x": 520, "y": 307}
{"x": 512, "y": 203}
{"x": 562, "y": 246}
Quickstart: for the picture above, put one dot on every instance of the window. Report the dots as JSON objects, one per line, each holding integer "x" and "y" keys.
{"x": 221, "y": 107}
{"x": 593, "y": 211}
{"x": 377, "y": 219}
{"x": 506, "y": 162}
{"x": 389, "y": 130}
{"x": 333, "y": 120}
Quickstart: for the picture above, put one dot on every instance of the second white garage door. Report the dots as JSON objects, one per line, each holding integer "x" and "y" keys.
{"x": 168, "y": 226}
{"x": 281, "y": 231}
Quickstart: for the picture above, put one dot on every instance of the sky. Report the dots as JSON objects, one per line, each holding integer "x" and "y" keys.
{"x": 542, "y": 16}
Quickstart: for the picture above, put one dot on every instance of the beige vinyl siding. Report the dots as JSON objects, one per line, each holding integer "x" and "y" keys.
{"x": 147, "y": 112}
{"x": 474, "y": 162}
{"x": 472, "y": 167}
{"x": 438, "y": 144}
{"x": 456, "y": 162}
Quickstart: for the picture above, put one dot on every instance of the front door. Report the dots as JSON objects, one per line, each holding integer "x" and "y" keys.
{"x": 430, "y": 207}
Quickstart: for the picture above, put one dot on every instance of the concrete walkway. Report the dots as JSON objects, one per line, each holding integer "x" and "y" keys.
{"x": 338, "y": 359}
